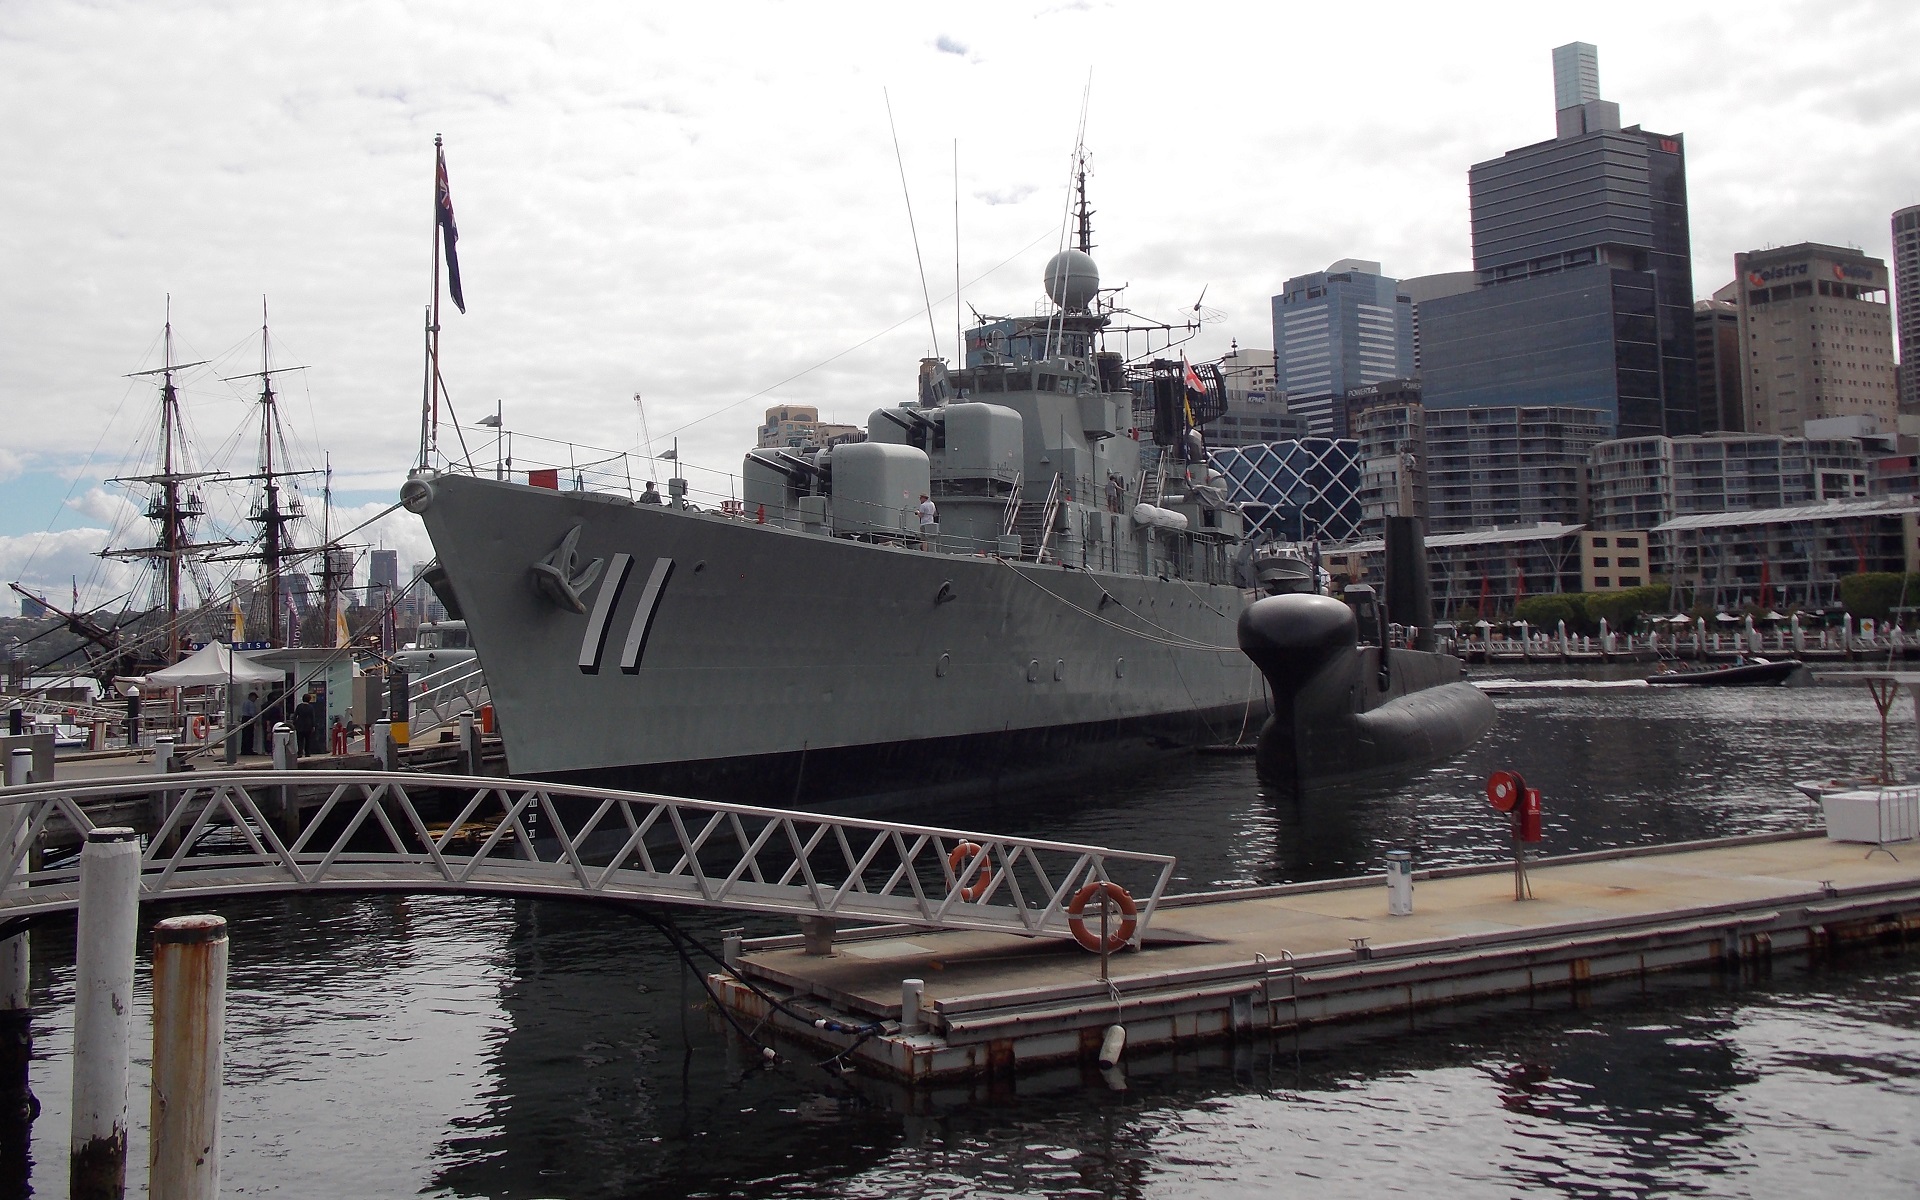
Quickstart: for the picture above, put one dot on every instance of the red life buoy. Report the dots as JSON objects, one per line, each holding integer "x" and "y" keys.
{"x": 957, "y": 862}
{"x": 1116, "y": 938}
{"x": 198, "y": 727}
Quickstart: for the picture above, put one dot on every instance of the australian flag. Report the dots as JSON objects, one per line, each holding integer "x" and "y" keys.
{"x": 449, "y": 232}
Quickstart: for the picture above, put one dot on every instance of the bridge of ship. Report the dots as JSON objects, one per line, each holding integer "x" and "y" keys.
{"x": 219, "y": 834}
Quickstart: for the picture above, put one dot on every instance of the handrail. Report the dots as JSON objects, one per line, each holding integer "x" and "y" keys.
{"x": 436, "y": 699}
{"x": 1012, "y": 519}
{"x": 227, "y": 833}
{"x": 1047, "y": 513}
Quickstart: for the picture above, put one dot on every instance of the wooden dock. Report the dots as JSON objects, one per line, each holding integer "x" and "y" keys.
{"x": 1247, "y": 964}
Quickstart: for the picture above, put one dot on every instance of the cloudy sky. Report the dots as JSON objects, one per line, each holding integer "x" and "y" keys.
{"x": 701, "y": 204}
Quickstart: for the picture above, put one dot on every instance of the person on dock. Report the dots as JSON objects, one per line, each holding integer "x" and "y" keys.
{"x": 249, "y": 714}
{"x": 306, "y": 725}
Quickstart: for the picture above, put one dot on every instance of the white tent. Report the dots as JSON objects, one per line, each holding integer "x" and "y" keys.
{"x": 211, "y": 666}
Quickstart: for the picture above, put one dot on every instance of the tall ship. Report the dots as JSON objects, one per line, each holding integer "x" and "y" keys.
{"x": 1070, "y": 608}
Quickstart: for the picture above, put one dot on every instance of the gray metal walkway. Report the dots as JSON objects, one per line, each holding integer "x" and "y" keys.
{"x": 219, "y": 834}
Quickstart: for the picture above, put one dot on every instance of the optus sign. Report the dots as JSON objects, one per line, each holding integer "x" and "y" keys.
{"x": 1852, "y": 271}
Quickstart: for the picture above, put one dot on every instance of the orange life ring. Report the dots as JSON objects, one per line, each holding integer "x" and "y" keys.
{"x": 958, "y": 861}
{"x": 1116, "y": 938}
{"x": 197, "y": 726}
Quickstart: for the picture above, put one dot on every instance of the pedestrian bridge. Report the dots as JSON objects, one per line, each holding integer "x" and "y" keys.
{"x": 224, "y": 833}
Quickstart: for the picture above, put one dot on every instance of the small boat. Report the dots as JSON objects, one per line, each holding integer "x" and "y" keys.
{"x": 1756, "y": 672}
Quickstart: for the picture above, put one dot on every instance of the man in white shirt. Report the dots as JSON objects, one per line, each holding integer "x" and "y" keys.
{"x": 929, "y": 522}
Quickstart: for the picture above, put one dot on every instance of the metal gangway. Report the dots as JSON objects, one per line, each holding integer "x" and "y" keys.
{"x": 439, "y": 699}
{"x": 219, "y": 833}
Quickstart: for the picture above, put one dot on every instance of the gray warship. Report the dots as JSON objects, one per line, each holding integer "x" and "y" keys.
{"x": 1075, "y": 609}
{"x": 1072, "y": 610}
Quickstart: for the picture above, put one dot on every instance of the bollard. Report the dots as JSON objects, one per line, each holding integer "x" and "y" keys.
{"x": 189, "y": 1021}
{"x": 817, "y": 936}
{"x": 1399, "y": 883}
{"x": 383, "y": 747}
{"x": 286, "y": 757}
{"x": 469, "y": 744}
{"x": 18, "y": 1107}
{"x": 163, "y": 755}
{"x": 103, "y": 1012}
{"x": 133, "y": 717}
{"x": 912, "y": 991}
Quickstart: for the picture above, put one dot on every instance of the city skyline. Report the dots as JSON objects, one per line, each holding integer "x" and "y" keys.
{"x": 641, "y": 214}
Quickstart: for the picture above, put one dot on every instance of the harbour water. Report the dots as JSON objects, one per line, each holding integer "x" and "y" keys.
{"x": 387, "y": 1046}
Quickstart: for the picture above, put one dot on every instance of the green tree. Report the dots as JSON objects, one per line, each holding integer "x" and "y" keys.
{"x": 1875, "y": 594}
{"x": 1623, "y": 608}
{"x": 1546, "y": 612}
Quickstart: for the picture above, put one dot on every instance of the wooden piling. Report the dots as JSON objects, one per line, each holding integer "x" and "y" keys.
{"x": 189, "y": 1022}
{"x": 103, "y": 1012}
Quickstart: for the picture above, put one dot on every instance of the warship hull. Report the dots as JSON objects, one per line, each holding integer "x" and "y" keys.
{"x": 712, "y": 656}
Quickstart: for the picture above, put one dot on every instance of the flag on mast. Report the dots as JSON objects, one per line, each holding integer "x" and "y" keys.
{"x": 449, "y": 232}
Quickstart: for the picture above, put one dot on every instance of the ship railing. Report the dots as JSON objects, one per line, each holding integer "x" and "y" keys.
{"x": 439, "y": 698}
{"x": 1011, "y": 520}
{"x": 221, "y": 833}
{"x": 1049, "y": 512}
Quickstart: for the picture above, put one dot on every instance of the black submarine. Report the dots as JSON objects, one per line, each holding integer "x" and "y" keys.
{"x": 1358, "y": 688}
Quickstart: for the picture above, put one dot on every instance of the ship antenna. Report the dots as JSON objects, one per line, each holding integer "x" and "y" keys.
{"x": 959, "y": 337}
{"x": 920, "y": 262}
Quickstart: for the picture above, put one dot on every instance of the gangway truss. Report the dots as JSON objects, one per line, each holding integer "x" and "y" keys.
{"x": 219, "y": 834}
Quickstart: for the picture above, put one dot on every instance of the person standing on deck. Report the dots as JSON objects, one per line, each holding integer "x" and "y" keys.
{"x": 306, "y": 724}
{"x": 249, "y": 710}
{"x": 929, "y": 521}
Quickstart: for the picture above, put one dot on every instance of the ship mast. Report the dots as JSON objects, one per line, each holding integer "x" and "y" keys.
{"x": 168, "y": 509}
{"x": 273, "y": 515}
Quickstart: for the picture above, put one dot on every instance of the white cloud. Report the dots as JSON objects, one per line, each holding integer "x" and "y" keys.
{"x": 641, "y": 212}
{"x": 52, "y": 565}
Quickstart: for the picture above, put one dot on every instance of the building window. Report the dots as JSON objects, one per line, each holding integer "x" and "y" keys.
{"x": 1601, "y": 581}
{"x": 1602, "y": 562}
{"x": 1599, "y": 541}
{"x": 1628, "y": 543}
{"x": 1627, "y": 581}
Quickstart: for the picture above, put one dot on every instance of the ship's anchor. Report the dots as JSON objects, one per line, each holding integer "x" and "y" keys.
{"x": 555, "y": 578}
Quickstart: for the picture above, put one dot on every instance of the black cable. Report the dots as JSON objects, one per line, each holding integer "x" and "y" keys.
{"x": 681, "y": 940}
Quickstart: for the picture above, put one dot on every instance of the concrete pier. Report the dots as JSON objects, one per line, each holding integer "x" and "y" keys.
{"x": 1250, "y": 963}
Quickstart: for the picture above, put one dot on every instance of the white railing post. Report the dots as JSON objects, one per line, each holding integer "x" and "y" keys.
{"x": 103, "y": 1012}
{"x": 189, "y": 1022}
{"x": 17, "y": 1105}
{"x": 384, "y": 751}
{"x": 469, "y": 744}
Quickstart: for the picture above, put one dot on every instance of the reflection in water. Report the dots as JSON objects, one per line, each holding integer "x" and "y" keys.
{"x": 457, "y": 1046}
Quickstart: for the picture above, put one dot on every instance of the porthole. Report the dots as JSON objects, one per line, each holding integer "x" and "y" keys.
{"x": 940, "y": 668}
{"x": 1033, "y": 671}
{"x": 1119, "y": 668}
{"x": 1059, "y": 669}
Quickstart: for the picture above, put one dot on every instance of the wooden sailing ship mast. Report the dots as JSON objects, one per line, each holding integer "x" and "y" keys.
{"x": 173, "y": 505}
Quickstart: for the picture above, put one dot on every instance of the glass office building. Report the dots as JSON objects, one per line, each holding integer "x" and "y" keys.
{"x": 1582, "y": 249}
{"x": 1345, "y": 327}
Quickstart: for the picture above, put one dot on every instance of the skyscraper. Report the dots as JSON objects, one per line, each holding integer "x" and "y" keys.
{"x": 1345, "y": 327}
{"x": 1906, "y": 302}
{"x": 1817, "y": 338}
{"x": 1585, "y": 295}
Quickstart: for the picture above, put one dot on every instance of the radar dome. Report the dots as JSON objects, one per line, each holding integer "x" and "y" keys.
{"x": 1072, "y": 280}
